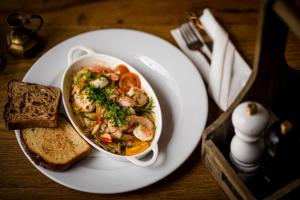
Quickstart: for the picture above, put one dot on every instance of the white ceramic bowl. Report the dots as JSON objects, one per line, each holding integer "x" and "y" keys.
{"x": 89, "y": 58}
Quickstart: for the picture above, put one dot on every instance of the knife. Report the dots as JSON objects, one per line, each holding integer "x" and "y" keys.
{"x": 206, "y": 38}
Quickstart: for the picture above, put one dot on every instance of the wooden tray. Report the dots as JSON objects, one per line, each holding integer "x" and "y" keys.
{"x": 272, "y": 83}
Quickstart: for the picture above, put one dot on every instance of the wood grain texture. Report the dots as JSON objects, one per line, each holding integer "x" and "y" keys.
{"x": 64, "y": 19}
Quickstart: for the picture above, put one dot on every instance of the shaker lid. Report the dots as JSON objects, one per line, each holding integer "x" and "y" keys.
{"x": 250, "y": 119}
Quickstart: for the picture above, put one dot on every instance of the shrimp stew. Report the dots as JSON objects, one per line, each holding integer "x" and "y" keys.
{"x": 112, "y": 108}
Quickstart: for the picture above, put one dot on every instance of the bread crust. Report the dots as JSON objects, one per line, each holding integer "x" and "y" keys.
{"x": 39, "y": 160}
{"x": 28, "y": 123}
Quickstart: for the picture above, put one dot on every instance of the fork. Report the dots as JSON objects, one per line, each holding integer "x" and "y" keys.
{"x": 191, "y": 39}
{"x": 194, "y": 17}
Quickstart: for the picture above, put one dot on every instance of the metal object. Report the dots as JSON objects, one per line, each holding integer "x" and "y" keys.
{"x": 285, "y": 127}
{"x": 194, "y": 17}
{"x": 251, "y": 108}
{"x": 191, "y": 39}
{"x": 22, "y": 39}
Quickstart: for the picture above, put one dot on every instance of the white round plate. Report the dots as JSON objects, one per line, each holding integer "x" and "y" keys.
{"x": 180, "y": 91}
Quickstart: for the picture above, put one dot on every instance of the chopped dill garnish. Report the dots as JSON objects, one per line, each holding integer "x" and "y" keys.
{"x": 97, "y": 95}
{"x": 117, "y": 114}
{"x": 146, "y": 109}
{"x": 114, "y": 112}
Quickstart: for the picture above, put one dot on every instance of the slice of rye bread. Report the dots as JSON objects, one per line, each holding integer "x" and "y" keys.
{"x": 31, "y": 105}
{"x": 55, "y": 148}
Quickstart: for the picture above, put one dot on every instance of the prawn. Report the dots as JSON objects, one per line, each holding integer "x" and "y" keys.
{"x": 126, "y": 101}
{"x": 144, "y": 128}
{"x": 82, "y": 101}
{"x": 107, "y": 127}
{"x": 136, "y": 97}
{"x": 112, "y": 76}
{"x": 139, "y": 96}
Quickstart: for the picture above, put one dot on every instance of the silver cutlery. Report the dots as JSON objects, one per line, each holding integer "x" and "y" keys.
{"x": 194, "y": 17}
{"x": 192, "y": 40}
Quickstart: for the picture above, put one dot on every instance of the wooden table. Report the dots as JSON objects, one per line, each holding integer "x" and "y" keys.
{"x": 63, "y": 19}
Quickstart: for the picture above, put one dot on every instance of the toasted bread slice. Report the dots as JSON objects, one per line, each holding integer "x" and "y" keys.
{"x": 55, "y": 148}
{"x": 31, "y": 105}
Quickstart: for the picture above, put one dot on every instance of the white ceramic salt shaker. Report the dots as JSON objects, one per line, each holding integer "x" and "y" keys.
{"x": 247, "y": 146}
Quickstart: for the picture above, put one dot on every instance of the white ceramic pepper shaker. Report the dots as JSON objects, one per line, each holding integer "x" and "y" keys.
{"x": 247, "y": 146}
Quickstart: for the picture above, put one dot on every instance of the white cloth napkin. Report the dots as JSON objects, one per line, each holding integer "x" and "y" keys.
{"x": 228, "y": 72}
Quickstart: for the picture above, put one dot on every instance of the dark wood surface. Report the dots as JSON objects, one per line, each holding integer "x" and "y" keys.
{"x": 64, "y": 19}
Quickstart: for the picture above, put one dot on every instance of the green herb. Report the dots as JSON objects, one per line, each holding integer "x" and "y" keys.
{"x": 97, "y": 95}
{"x": 110, "y": 89}
{"x": 89, "y": 74}
{"x": 86, "y": 73}
{"x": 146, "y": 109}
{"x": 111, "y": 85}
{"x": 114, "y": 112}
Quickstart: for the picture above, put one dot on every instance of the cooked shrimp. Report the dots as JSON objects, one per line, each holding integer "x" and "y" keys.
{"x": 121, "y": 69}
{"x": 76, "y": 89}
{"x": 136, "y": 97}
{"x": 126, "y": 101}
{"x": 112, "y": 76}
{"x": 129, "y": 80}
{"x": 100, "y": 82}
{"x": 139, "y": 96}
{"x": 100, "y": 69}
{"x": 144, "y": 129}
{"x": 108, "y": 127}
{"x": 82, "y": 101}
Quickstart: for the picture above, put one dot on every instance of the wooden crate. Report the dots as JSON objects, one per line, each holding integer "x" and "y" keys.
{"x": 272, "y": 83}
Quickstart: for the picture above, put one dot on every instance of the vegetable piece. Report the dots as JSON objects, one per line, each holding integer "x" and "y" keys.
{"x": 87, "y": 121}
{"x": 128, "y": 81}
{"x": 76, "y": 109}
{"x": 82, "y": 74}
{"x": 146, "y": 109}
{"x": 121, "y": 69}
{"x": 117, "y": 134}
{"x": 80, "y": 120}
{"x": 100, "y": 110}
{"x": 129, "y": 137}
{"x": 95, "y": 129}
{"x": 91, "y": 116}
{"x": 106, "y": 137}
{"x": 131, "y": 111}
{"x": 141, "y": 147}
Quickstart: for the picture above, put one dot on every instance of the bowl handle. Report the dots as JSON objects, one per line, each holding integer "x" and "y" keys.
{"x": 83, "y": 49}
{"x": 148, "y": 162}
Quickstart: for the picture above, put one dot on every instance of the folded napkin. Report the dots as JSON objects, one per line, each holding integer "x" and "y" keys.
{"x": 228, "y": 72}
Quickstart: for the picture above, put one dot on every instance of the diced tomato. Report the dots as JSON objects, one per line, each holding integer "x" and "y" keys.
{"x": 121, "y": 69}
{"x": 99, "y": 121}
{"x": 128, "y": 81}
{"x": 106, "y": 138}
